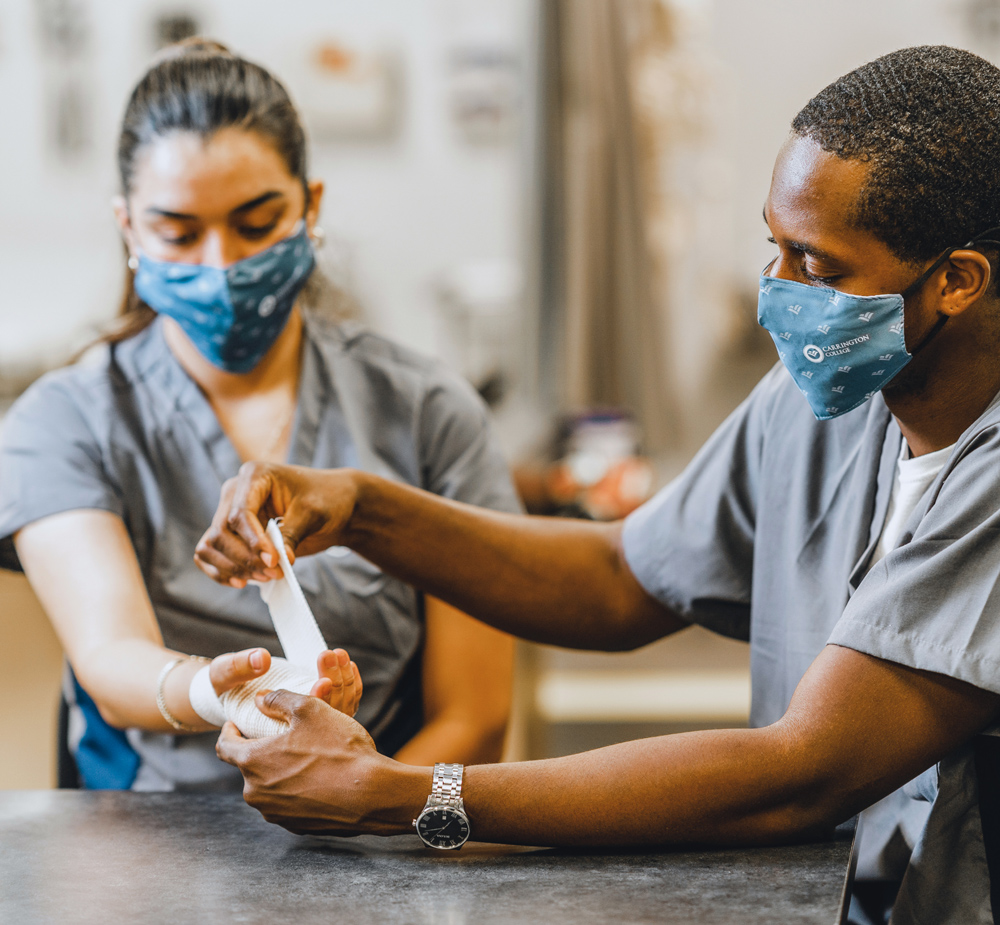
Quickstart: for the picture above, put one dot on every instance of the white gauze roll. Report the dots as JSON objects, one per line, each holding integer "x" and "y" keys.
{"x": 301, "y": 640}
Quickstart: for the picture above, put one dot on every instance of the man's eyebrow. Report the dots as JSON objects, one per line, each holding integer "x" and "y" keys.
{"x": 803, "y": 247}
{"x": 245, "y": 207}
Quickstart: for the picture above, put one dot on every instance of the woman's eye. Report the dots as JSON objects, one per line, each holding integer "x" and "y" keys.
{"x": 179, "y": 240}
{"x": 255, "y": 232}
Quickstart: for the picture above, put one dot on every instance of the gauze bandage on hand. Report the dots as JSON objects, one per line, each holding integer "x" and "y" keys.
{"x": 299, "y": 637}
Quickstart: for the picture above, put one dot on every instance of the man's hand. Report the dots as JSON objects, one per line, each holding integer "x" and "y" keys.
{"x": 338, "y": 682}
{"x": 324, "y": 776}
{"x": 314, "y": 505}
{"x": 563, "y": 582}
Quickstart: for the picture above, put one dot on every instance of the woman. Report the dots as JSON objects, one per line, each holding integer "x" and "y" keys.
{"x": 109, "y": 473}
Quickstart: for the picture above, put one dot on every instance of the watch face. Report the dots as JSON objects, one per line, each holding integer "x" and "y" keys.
{"x": 443, "y": 827}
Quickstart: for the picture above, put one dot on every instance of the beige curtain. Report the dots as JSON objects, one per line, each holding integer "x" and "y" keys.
{"x": 607, "y": 284}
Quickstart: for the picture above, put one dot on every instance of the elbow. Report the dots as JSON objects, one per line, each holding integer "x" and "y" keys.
{"x": 111, "y": 717}
{"x": 800, "y": 820}
{"x": 491, "y": 736}
{"x": 107, "y": 711}
{"x": 491, "y": 745}
{"x": 470, "y": 739}
{"x": 805, "y": 794}
{"x": 631, "y": 624}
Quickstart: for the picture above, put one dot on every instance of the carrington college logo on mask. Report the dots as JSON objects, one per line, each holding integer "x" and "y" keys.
{"x": 817, "y": 330}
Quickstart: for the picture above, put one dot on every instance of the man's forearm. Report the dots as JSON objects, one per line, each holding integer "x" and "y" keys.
{"x": 728, "y": 787}
{"x": 857, "y": 728}
{"x": 550, "y": 580}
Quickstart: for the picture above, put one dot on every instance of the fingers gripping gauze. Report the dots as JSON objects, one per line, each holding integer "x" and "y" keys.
{"x": 299, "y": 637}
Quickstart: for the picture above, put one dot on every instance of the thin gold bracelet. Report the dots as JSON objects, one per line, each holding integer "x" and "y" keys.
{"x": 161, "y": 700}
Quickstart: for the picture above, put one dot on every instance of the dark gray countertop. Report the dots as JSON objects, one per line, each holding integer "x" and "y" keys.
{"x": 112, "y": 857}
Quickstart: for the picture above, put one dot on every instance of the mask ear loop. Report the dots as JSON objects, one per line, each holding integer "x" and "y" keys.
{"x": 915, "y": 286}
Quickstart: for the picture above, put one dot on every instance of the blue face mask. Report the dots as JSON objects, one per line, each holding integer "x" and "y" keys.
{"x": 839, "y": 348}
{"x": 232, "y": 315}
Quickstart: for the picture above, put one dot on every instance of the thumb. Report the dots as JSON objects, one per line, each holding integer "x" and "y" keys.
{"x": 296, "y": 524}
{"x": 291, "y": 541}
{"x": 233, "y": 668}
{"x": 284, "y": 705}
{"x": 301, "y": 525}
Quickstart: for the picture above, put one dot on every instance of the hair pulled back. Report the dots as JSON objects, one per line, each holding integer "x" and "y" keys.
{"x": 199, "y": 86}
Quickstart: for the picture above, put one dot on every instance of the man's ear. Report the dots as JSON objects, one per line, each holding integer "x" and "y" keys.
{"x": 964, "y": 279}
{"x": 120, "y": 208}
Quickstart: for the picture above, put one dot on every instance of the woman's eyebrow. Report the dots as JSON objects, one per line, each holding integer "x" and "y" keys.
{"x": 258, "y": 201}
{"x": 166, "y": 213}
{"x": 245, "y": 207}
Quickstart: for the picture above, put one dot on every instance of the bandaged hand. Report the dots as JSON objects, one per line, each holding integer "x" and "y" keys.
{"x": 302, "y": 642}
{"x": 225, "y": 689}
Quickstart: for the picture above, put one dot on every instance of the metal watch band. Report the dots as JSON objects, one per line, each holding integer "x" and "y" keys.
{"x": 446, "y": 785}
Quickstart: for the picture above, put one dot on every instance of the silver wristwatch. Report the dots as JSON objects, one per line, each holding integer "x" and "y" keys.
{"x": 443, "y": 823}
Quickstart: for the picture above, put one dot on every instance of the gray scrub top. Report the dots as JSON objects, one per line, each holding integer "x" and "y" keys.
{"x": 135, "y": 436}
{"x": 766, "y": 537}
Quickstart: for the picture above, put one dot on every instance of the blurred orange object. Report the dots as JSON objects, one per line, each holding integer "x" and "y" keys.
{"x": 599, "y": 473}
{"x": 336, "y": 58}
{"x": 624, "y": 487}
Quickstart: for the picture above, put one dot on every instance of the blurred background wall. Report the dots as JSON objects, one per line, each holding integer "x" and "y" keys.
{"x": 455, "y": 137}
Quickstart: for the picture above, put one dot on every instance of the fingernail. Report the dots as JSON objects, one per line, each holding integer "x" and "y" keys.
{"x": 268, "y": 559}
{"x": 343, "y": 658}
{"x": 235, "y": 583}
{"x": 256, "y": 660}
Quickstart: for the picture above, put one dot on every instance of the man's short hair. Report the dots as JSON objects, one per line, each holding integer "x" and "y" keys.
{"x": 927, "y": 121}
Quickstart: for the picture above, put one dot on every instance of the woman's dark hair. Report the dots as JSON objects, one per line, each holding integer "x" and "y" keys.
{"x": 199, "y": 86}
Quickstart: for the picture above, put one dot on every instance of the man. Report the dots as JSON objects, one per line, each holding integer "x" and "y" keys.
{"x": 852, "y": 536}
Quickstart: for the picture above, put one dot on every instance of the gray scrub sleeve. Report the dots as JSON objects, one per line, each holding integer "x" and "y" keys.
{"x": 933, "y": 602}
{"x": 691, "y": 546}
{"x": 464, "y": 458}
{"x": 51, "y": 459}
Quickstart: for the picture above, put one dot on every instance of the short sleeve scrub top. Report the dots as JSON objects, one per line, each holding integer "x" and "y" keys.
{"x": 134, "y": 435}
{"x": 769, "y": 536}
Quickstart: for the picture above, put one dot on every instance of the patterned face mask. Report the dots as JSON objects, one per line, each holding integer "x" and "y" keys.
{"x": 840, "y": 348}
{"x": 232, "y": 315}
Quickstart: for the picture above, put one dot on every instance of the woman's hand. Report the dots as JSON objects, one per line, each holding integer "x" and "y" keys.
{"x": 323, "y": 776}
{"x": 338, "y": 680}
{"x": 314, "y": 505}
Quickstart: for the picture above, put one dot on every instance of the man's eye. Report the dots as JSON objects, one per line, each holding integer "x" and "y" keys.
{"x": 819, "y": 280}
